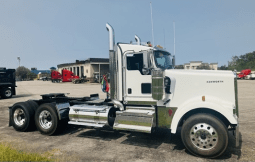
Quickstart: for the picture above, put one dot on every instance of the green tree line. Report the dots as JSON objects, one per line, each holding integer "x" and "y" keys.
{"x": 246, "y": 61}
{"x": 23, "y": 73}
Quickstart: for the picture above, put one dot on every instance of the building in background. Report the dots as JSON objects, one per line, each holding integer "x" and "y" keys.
{"x": 200, "y": 65}
{"x": 88, "y": 67}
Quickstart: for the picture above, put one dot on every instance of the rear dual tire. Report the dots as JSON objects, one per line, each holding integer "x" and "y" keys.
{"x": 47, "y": 121}
{"x": 26, "y": 116}
{"x": 22, "y": 117}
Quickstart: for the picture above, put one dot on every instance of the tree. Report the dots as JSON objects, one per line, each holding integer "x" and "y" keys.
{"x": 246, "y": 61}
{"x": 224, "y": 67}
{"x": 22, "y": 72}
{"x": 31, "y": 75}
{"x": 179, "y": 67}
{"x": 204, "y": 66}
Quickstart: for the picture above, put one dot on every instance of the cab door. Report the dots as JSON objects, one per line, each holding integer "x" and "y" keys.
{"x": 137, "y": 85}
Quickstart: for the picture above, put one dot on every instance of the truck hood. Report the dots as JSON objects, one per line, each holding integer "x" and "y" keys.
{"x": 208, "y": 73}
{"x": 213, "y": 84}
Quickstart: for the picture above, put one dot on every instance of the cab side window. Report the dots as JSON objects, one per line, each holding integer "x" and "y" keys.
{"x": 135, "y": 62}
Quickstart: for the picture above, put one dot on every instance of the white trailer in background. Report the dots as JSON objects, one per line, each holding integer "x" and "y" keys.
{"x": 146, "y": 94}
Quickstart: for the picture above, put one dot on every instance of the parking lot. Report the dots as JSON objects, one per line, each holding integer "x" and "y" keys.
{"x": 81, "y": 143}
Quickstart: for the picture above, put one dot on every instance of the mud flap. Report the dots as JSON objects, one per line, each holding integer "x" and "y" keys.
{"x": 237, "y": 135}
{"x": 13, "y": 90}
{"x": 10, "y": 116}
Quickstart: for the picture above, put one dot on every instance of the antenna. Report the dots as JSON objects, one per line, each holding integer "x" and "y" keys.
{"x": 164, "y": 40}
{"x": 174, "y": 37}
{"x": 152, "y": 26}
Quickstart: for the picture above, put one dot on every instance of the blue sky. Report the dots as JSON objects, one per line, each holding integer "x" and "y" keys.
{"x": 45, "y": 33}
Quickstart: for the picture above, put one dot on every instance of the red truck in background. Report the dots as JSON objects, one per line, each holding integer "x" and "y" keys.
{"x": 66, "y": 76}
{"x": 56, "y": 77}
{"x": 246, "y": 74}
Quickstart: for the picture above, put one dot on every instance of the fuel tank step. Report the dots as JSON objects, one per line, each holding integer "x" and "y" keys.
{"x": 133, "y": 128}
{"x": 87, "y": 124}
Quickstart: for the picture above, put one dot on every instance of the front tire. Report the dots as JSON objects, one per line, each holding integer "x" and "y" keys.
{"x": 205, "y": 135}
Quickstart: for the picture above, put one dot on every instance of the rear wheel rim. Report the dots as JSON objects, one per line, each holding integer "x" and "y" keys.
{"x": 203, "y": 136}
{"x": 8, "y": 93}
{"x": 19, "y": 117}
{"x": 45, "y": 119}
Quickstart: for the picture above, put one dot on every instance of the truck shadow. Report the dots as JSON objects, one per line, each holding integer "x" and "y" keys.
{"x": 232, "y": 150}
{"x": 101, "y": 134}
{"x": 86, "y": 132}
{"x": 148, "y": 140}
{"x": 22, "y": 95}
{"x": 17, "y": 96}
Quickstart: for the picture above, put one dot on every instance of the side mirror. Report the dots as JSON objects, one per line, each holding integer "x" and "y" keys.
{"x": 145, "y": 60}
{"x": 173, "y": 61}
{"x": 146, "y": 71}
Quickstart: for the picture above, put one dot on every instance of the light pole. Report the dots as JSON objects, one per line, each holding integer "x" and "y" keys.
{"x": 18, "y": 60}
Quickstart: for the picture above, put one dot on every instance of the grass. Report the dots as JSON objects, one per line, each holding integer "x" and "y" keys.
{"x": 7, "y": 153}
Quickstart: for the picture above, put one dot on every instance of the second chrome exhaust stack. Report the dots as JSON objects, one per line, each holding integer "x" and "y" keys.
{"x": 112, "y": 63}
{"x": 111, "y": 36}
{"x": 138, "y": 40}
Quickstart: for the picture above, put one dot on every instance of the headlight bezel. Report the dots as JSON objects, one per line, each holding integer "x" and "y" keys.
{"x": 167, "y": 84}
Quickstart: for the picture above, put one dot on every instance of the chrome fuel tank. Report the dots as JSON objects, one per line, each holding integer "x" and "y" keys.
{"x": 89, "y": 114}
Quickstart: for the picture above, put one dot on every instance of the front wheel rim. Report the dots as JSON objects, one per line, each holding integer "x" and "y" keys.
{"x": 45, "y": 119}
{"x": 203, "y": 136}
{"x": 19, "y": 117}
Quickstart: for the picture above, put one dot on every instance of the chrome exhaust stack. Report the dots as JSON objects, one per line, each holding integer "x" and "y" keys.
{"x": 118, "y": 104}
{"x": 112, "y": 63}
{"x": 138, "y": 40}
{"x": 111, "y": 36}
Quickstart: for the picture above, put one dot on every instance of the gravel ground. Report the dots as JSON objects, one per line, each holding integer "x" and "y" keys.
{"x": 85, "y": 144}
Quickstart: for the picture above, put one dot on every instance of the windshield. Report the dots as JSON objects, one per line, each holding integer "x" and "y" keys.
{"x": 163, "y": 60}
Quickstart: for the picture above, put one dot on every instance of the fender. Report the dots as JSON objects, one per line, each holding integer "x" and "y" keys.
{"x": 222, "y": 107}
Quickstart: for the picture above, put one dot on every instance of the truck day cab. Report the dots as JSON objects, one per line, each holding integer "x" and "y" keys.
{"x": 146, "y": 94}
{"x": 7, "y": 83}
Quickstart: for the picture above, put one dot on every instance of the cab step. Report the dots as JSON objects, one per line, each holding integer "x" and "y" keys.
{"x": 87, "y": 124}
{"x": 135, "y": 119}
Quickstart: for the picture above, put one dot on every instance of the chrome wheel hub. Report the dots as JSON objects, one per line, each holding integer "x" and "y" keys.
{"x": 203, "y": 136}
{"x": 19, "y": 117}
{"x": 8, "y": 93}
{"x": 45, "y": 119}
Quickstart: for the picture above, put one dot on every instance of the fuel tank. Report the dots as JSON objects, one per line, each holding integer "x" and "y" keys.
{"x": 89, "y": 115}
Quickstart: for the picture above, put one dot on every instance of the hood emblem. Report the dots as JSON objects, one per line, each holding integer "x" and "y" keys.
{"x": 215, "y": 81}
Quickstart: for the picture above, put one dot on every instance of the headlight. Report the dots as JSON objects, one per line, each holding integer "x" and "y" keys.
{"x": 167, "y": 83}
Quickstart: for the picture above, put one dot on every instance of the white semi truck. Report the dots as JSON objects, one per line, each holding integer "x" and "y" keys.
{"x": 146, "y": 94}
